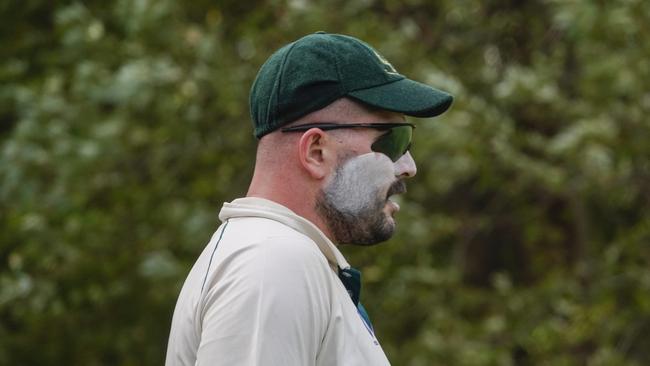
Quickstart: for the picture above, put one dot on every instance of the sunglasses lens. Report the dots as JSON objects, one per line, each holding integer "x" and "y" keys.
{"x": 395, "y": 142}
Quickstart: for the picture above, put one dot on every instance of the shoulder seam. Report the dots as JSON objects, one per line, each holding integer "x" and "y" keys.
{"x": 207, "y": 271}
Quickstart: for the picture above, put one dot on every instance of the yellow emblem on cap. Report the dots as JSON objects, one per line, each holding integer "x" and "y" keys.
{"x": 388, "y": 67}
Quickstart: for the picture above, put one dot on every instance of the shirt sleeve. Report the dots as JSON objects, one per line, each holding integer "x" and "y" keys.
{"x": 267, "y": 304}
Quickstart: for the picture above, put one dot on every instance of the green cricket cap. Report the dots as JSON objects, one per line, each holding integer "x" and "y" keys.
{"x": 314, "y": 71}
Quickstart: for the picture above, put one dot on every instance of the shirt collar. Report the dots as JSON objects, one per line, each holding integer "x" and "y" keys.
{"x": 260, "y": 207}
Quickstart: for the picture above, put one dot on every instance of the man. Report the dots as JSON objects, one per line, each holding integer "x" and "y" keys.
{"x": 271, "y": 287}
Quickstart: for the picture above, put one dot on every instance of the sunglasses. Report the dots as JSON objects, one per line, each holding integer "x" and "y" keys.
{"x": 394, "y": 143}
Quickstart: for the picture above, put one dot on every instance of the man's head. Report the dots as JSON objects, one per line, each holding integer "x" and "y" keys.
{"x": 330, "y": 115}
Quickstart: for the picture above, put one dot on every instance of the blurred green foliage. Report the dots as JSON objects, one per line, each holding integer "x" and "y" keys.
{"x": 524, "y": 239}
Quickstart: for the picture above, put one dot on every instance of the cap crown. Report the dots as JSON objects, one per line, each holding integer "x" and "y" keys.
{"x": 311, "y": 73}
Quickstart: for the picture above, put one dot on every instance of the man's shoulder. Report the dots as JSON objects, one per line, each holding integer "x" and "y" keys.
{"x": 255, "y": 256}
{"x": 269, "y": 240}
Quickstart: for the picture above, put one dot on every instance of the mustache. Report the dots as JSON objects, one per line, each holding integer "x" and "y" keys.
{"x": 398, "y": 187}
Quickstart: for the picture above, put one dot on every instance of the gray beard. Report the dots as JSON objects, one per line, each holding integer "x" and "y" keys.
{"x": 367, "y": 228}
{"x": 368, "y": 225}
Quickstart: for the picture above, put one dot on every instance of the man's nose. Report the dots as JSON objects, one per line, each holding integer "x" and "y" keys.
{"x": 405, "y": 166}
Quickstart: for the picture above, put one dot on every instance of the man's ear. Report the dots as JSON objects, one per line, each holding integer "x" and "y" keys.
{"x": 315, "y": 153}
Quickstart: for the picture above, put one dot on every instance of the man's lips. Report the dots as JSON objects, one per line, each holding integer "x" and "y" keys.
{"x": 398, "y": 187}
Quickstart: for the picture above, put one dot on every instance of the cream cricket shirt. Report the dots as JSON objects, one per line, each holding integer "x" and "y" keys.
{"x": 266, "y": 291}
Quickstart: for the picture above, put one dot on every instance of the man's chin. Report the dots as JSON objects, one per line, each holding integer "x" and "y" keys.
{"x": 389, "y": 224}
{"x": 382, "y": 231}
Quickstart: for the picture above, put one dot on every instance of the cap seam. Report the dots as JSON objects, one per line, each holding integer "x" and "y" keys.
{"x": 377, "y": 85}
{"x": 336, "y": 62}
{"x": 276, "y": 111}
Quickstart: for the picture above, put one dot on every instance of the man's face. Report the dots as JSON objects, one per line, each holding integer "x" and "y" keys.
{"x": 355, "y": 203}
